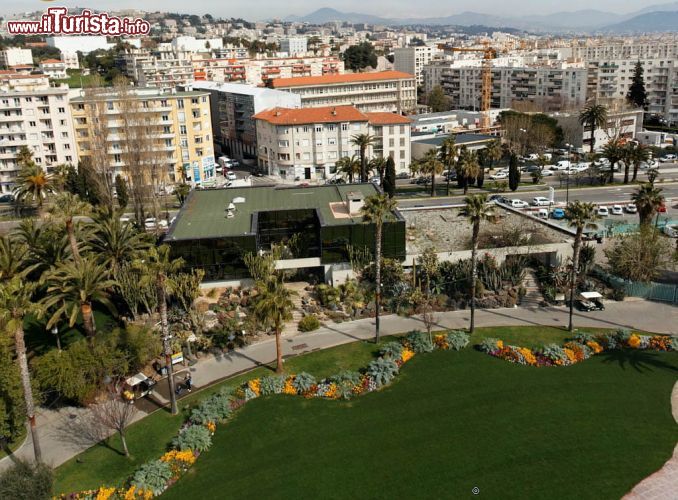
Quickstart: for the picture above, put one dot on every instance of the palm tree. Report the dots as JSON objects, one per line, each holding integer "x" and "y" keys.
{"x": 493, "y": 152}
{"x": 431, "y": 165}
{"x": 114, "y": 241}
{"x": 13, "y": 258}
{"x": 32, "y": 184}
{"x": 349, "y": 166}
{"x": 378, "y": 164}
{"x": 580, "y": 215}
{"x": 160, "y": 268}
{"x": 647, "y": 199}
{"x": 476, "y": 210}
{"x": 448, "y": 155}
{"x": 469, "y": 168}
{"x": 15, "y": 303}
{"x": 639, "y": 153}
{"x": 24, "y": 157}
{"x": 274, "y": 305}
{"x": 363, "y": 141}
{"x": 613, "y": 151}
{"x": 73, "y": 288}
{"x": 595, "y": 116}
{"x": 66, "y": 206}
{"x": 47, "y": 246}
{"x": 375, "y": 210}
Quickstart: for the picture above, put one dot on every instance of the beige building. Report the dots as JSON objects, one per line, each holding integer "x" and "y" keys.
{"x": 37, "y": 116}
{"x": 178, "y": 123}
{"x": 15, "y": 56}
{"x": 413, "y": 59}
{"x": 384, "y": 91}
{"x": 306, "y": 143}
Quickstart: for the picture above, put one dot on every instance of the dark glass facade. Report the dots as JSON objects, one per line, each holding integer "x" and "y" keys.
{"x": 281, "y": 225}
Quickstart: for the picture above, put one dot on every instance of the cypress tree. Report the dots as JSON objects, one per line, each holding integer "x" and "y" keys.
{"x": 637, "y": 94}
{"x": 390, "y": 178}
{"x": 122, "y": 191}
{"x": 514, "y": 172}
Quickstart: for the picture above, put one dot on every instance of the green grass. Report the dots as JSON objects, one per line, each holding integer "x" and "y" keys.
{"x": 77, "y": 80}
{"x": 458, "y": 391}
{"x": 451, "y": 422}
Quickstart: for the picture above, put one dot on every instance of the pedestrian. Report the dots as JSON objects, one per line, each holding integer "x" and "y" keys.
{"x": 188, "y": 381}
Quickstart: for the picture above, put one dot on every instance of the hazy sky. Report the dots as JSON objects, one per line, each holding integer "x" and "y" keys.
{"x": 266, "y": 9}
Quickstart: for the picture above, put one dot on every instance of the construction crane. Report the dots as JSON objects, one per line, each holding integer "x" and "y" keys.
{"x": 489, "y": 53}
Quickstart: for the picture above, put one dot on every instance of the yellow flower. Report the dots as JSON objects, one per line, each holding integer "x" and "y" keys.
{"x": 105, "y": 493}
{"x": 406, "y": 355}
{"x": 500, "y": 344}
{"x": 529, "y": 357}
{"x": 570, "y": 355}
{"x": 255, "y": 386}
{"x": 595, "y": 346}
{"x": 332, "y": 391}
{"x": 211, "y": 426}
{"x": 634, "y": 341}
{"x": 289, "y": 387}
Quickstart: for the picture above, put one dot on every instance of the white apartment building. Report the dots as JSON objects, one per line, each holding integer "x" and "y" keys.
{"x": 384, "y": 91}
{"x": 190, "y": 44}
{"x": 306, "y": 143}
{"x": 623, "y": 125}
{"x": 14, "y": 56}
{"x": 294, "y": 45}
{"x": 69, "y": 46}
{"x": 260, "y": 71}
{"x": 160, "y": 70}
{"x": 549, "y": 87}
{"x": 37, "y": 116}
{"x": 413, "y": 59}
{"x": 54, "y": 68}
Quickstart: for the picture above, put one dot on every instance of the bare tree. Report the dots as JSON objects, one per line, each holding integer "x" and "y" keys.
{"x": 114, "y": 414}
{"x": 425, "y": 310}
{"x": 516, "y": 127}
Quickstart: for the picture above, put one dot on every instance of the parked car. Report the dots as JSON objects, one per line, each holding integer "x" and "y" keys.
{"x": 531, "y": 168}
{"x": 498, "y": 176}
{"x": 668, "y": 158}
{"x": 125, "y": 220}
{"x": 543, "y": 213}
{"x": 499, "y": 198}
{"x": 421, "y": 180}
{"x": 561, "y": 165}
{"x": 403, "y": 175}
{"x": 617, "y": 210}
{"x": 7, "y": 198}
{"x": 231, "y": 176}
{"x": 516, "y": 203}
{"x": 150, "y": 223}
{"x": 649, "y": 164}
{"x": 540, "y": 201}
{"x": 546, "y": 173}
{"x": 375, "y": 180}
{"x": 590, "y": 301}
{"x": 671, "y": 230}
{"x": 631, "y": 208}
{"x": 450, "y": 174}
{"x": 558, "y": 214}
{"x": 603, "y": 212}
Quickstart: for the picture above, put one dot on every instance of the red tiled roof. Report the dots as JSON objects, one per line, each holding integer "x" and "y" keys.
{"x": 387, "y": 119}
{"x": 50, "y": 61}
{"x": 305, "y": 116}
{"x": 346, "y": 78}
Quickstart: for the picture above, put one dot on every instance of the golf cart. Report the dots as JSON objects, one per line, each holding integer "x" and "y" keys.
{"x": 138, "y": 386}
{"x": 590, "y": 301}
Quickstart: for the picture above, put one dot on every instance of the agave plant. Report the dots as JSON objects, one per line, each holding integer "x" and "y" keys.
{"x": 382, "y": 371}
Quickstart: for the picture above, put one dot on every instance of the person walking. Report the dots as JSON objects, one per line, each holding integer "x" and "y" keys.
{"x": 188, "y": 382}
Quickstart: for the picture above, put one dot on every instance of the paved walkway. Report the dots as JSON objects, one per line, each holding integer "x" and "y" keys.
{"x": 62, "y": 434}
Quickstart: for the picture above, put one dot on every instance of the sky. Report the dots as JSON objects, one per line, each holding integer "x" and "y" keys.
{"x": 267, "y": 9}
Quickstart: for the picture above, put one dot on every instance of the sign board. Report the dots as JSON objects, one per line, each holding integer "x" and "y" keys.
{"x": 208, "y": 166}
{"x": 177, "y": 357}
{"x": 196, "y": 172}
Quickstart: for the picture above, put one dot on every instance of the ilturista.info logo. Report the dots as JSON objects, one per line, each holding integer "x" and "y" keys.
{"x": 57, "y": 21}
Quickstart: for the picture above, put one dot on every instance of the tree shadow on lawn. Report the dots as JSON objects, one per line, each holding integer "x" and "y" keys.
{"x": 637, "y": 359}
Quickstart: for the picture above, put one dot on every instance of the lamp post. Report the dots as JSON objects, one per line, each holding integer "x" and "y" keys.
{"x": 55, "y": 332}
{"x": 569, "y": 172}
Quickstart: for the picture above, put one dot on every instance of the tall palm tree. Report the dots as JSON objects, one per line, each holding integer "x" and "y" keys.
{"x": 580, "y": 215}
{"x": 431, "y": 165}
{"x": 476, "y": 211}
{"x": 595, "y": 116}
{"x": 114, "y": 241}
{"x": 47, "y": 246}
{"x": 72, "y": 290}
{"x": 639, "y": 154}
{"x": 349, "y": 166}
{"x": 493, "y": 152}
{"x": 160, "y": 269}
{"x": 363, "y": 141}
{"x": 614, "y": 151}
{"x": 13, "y": 258}
{"x": 647, "y": 199}
{"x": 65, "y": 207}
{"x": 24, "y": 157}
{"x": 375, "y": 210}
{"x": 33, "y": 185}
{"x": 16, "y": 301}
{"x": 274, "y": 305}
{"x": 469, "y": 168}
{"x": 448, "y": 155}
{"x": 378, "y": 165}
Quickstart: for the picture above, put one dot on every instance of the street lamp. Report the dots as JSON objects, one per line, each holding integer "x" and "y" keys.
{"x": 569, "y": 172}
{"x": 55, "y": 332}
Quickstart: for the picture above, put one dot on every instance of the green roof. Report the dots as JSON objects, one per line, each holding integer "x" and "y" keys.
{"x": 204, "y": 212}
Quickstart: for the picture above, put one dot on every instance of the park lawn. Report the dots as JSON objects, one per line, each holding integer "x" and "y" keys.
{"x": 451, "y": 422}
{"x": 150, "y": 437}
{"x": 77, "y": 80}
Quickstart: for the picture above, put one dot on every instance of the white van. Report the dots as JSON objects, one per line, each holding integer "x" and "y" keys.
{"x": 224, "y": 161}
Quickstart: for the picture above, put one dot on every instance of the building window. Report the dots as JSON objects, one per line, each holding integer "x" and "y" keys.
{"x": 194, "y": 100}
{"x": 182, "y": 129}
{"x": 117, "y": 158}
{"x": 196, "y": 114}
{"x": 344, "y": 127}
{"x": 163, "y": 103}
{"x": 109, "y": 105}
{"x": 180, "y": 103}
{"x": 165, "y": 118}
{"x": 318, "y": 128}
{"x": 198, "y": 152}
{"x": 31, "y": 124}
{"x": 283, "y": 144}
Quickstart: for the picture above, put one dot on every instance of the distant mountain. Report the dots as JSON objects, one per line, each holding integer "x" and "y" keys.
{"x": 578, "y": 19}
{"x": 645, "y": 23}
{"x": 662, "y": 7}
{"x": 327, "y": 15}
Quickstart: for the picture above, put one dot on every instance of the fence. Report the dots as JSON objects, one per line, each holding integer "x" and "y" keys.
{"x": 650, "y": 291}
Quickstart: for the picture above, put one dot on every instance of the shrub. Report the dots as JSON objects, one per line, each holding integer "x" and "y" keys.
{"x": 457, "y": 340}
{"x": 346, "y": 381}
{"x": 392, "y": 350}
{"x": 555, "y": 353}
{"x": 623, "y": 335}
{"x": 490, "y": 345}
{"x": 216, "y": 408}
{"x": 419, "y": 342}
{"x": 193, "y": 437}
{"x": 303, "y": 382}
{"x": 382, "y": 371}
{"x": 26, "y": 480}
{"x": 271, "y": 385}
{"x": 309, "y": 323}
{"x": 327, "y": 295}
{"x": 674, "y": 343}
{"x": 153, "y": 476}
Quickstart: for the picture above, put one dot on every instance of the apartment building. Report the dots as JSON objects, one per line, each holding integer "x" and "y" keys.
{"x": 260, "y": 71}
{"x": 621, "y": 124}
{"x": 294, "y": 45}
{"x": 384, "y": 91}
{"x": 54, "y": 68}
{"x": 551, "y": 88}
{"x": 37, "y": 116}
{"x": 69, "y": 46}
{"x": 179, "y": 124}
{"x": 306, "y": 143}
{"x": 162, "y": 70}
{"x": 413, "y": 59}
{"x": 232, "y": 107}
{"x": 15, "y": 56}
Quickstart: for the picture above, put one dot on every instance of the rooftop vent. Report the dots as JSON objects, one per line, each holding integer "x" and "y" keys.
{"x": 354, "y": 202}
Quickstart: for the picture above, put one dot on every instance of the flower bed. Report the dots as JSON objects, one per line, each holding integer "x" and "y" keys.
{"x": 154, "y": 477}
{"x": 582, "y": 347}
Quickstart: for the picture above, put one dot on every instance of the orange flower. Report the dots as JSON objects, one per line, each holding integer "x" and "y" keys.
{"x": 500, "y": 344}
{"x": 406, "y": 355}
{"x": 595, "y": 346}
{"x": 634, "y": 341}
